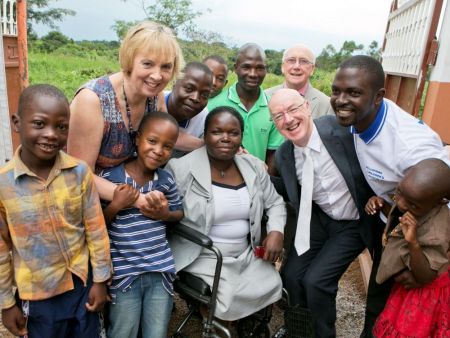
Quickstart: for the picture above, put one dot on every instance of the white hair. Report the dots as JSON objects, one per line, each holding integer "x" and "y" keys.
{"x": 286, "y": 51}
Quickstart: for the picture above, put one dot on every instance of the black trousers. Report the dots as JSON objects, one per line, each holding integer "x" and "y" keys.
{"x": 377, "y": 294}
{"x": 312, "y": 278}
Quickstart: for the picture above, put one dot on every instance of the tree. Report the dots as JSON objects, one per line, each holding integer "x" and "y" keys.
{"x": 273, "y": 61}
{"x": 348, "y": 49}
{"x": 329, "y": 59}
{"x": 374, "y": 51}
{"x": 38, "y": 12}
{"x": 53, "y": 40}
{"x": 175, "y": 14}
{"x": 121, "y": 27}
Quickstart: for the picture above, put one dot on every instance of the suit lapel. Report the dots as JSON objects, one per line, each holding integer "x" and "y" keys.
{"x": 337, "y": 147}
{"x": 311, "y": 96}
{"x": 248, "y": 173}
{"x": 290, "y": 175}
{"x": 202, "y": 172}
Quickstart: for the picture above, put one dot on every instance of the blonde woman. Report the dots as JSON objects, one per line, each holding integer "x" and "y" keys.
{"x": 106, "y": 112}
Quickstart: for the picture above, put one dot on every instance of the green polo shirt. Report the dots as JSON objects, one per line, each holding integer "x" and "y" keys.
{"x": 260, "y": 132}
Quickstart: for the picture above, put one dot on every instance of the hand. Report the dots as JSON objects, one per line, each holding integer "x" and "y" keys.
{"x": 409, "y": 227}
{"x": 242, "y": 151}
{"x": 157, "y": 206}
{"x": 273, "y": 245}
{"x": 125, "y": 196}
{"x": 14, "y": 321}
{"x": 373, "y": 205}
{"x": 406, "y": 278}
{"x": 97, "y": 297}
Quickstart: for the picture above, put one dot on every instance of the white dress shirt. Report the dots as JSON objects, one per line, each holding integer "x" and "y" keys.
{"x": 330, "y": 192}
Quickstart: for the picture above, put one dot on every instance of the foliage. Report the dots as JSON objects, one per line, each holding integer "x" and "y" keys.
{"x": 72, "y": 65}
{"x": 38, "y": 12}
{"x": 121, "y": 27}
{"x": 175, "y": 14}
{"x": 53, "y": 40}
{"x": 329, "y": 59}
{"x": 322, "y": 80}
{"x": 68, "y": 72}
{"x": 273, "y": 61}
{"x": 374, "y": 51}
{"x": 198, "y": 50}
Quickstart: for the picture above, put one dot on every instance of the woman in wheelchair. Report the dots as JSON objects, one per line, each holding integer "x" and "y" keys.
{"x": 225, "y": 196}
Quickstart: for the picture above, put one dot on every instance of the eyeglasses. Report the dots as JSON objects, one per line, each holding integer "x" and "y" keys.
{"x": 302, "y": 62}
{"x": 279, "y": 117}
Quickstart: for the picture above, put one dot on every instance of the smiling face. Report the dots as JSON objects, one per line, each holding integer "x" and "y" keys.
{"x": 155, "y": 143}
{"x": 190, "y": 94}
{"x": 150, "y": 74}
{"x": 223, "y": 136}
{"x": 292, "y": 116}
{"x": 297, "y": 67}
{"x": 220, "y": 74}
{"x": 43, "y": 125}
{"x": 250, "y": 69}
{"x": 354, "y": 99}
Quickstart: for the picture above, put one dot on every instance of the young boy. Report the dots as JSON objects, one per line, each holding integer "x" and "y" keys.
{"x": 51, "y": 221}
{"x": 219, "y": 68}
{"x": 143, "y": 262}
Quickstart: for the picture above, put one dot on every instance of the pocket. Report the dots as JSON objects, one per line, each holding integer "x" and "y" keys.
{"x": 72, "y": 209}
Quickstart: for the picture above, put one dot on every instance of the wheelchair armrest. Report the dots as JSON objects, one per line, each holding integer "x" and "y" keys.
{"x": 192, "y": 235}
{"x": 207, "y": 243}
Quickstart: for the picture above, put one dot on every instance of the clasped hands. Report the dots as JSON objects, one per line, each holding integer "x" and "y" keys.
{"x": 153, "y": 204}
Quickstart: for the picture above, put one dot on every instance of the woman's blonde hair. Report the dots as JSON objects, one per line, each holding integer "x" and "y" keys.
{"x": 154, "y": 38}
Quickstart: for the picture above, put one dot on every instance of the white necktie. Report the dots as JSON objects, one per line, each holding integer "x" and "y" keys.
{"x": 304, "y": 216}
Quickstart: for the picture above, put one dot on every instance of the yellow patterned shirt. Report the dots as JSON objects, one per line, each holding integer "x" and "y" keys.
{"x": 52, "y": 227}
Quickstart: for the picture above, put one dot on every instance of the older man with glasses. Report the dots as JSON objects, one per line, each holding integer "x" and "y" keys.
{"x": 298, "y": 66}
{"x": 320, "y": 175}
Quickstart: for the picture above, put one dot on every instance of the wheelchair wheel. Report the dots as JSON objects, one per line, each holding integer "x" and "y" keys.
{"x": 252, "y": 327}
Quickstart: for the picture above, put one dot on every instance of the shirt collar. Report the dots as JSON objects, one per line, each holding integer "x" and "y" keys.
{"x": 234, "y": 96}
{"x": 302, "y": 91}
{"x": 62, "y": 161}
{"x": 314, "y": 141}
{"x": 374, "y": 129}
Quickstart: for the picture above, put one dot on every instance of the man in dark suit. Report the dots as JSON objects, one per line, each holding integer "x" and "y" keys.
{"x": 337, "y": 229}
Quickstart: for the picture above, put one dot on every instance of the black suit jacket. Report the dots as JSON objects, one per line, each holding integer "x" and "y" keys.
{"x": 339, "y": 143}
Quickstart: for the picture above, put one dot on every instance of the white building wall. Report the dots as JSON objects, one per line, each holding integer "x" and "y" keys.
{"x": 6, "y": 151}
{"x": 441, "y": 71}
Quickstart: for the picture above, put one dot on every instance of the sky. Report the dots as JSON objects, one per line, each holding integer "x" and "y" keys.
{"x": 273, "y": 24}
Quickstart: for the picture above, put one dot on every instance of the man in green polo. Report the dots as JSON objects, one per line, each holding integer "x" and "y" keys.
{"x": 261, "y": 138}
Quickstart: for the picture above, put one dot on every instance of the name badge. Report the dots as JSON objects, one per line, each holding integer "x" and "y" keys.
{"x": 375, "y": 173}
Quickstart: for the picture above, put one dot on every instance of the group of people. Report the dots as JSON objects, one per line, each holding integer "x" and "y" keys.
{"x": 87, "y": 223}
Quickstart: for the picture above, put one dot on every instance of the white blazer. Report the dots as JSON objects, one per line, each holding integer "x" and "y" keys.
{"x": 193, "y": 176}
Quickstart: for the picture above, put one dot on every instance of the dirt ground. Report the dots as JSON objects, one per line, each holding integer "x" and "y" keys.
{"x": 350, "y": 309}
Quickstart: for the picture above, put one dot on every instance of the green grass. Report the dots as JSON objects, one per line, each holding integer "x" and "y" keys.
{"x": 69, "y": 72}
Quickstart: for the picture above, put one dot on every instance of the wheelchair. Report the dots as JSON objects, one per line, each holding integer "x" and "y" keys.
{"x": 196, "y": 293}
